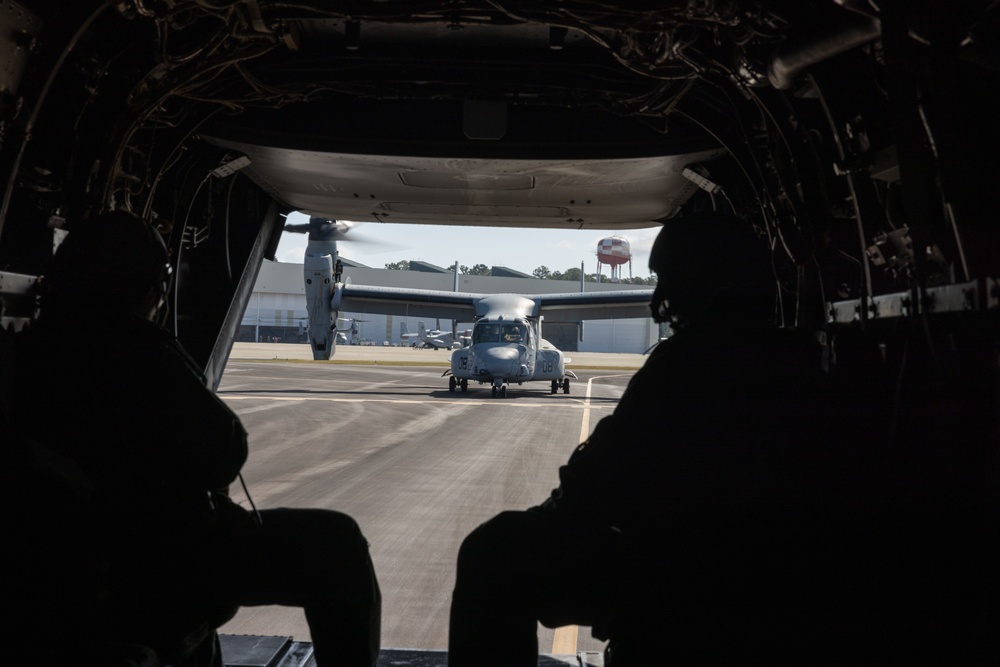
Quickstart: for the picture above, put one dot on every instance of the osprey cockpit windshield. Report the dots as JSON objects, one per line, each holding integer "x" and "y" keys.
{"x": 500, "y": 332}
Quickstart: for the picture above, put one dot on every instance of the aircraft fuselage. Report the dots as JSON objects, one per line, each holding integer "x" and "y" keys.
{"x": 505, "y": 351}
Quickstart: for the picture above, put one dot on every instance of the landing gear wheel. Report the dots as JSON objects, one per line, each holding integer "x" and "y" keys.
{"x": 503, "y": 391}
{"x": 465, "y": 385}
{"x": 494, "y": 392}
{"x": 555, "y": 386}
{"x": 452, "y": 383}
{"x": 566, "y": 386}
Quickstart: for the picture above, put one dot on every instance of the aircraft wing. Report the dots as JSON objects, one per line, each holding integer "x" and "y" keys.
{"x": 405, "y": 302}
{"x": 461, "y": 306}
{"x": 577, "y": 306}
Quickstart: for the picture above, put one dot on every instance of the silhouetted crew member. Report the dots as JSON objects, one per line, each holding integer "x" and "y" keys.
{"x": 676, "y": 506}
{"x": 119, "y": 396}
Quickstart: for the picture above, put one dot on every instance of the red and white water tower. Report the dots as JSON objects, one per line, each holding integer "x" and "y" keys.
{"x": 615, "y": 252}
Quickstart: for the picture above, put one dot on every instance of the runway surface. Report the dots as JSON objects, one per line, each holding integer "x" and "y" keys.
{"x": 409, "y": 356}
{"x": 417, "y": 466}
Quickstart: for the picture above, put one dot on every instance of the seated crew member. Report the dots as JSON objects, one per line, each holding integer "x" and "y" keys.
{"x": 103, "y": 385}
{"x": 660, "y": 512}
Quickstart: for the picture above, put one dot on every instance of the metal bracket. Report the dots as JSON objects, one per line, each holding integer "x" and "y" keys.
{"x": 17, "y": 299}
{"x": 974, "y": 296}
{"x": 892, "y": 250}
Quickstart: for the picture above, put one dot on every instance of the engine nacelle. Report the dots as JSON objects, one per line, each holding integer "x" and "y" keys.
{"x": 319, "y": 290}
{"x": 549, "y": 365}
{"x": 461, "y": 364}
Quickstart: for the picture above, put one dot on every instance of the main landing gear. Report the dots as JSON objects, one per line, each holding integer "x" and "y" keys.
{"x": 564, "y": 383}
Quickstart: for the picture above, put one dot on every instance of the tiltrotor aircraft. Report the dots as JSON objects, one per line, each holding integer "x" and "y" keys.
{"x": 435, "y": 338}
{"x": 507, "y": 344}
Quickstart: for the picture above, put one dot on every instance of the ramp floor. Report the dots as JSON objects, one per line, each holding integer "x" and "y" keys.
{"x": 271, "y": 651}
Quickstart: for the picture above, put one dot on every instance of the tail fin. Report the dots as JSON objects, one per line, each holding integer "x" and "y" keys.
{"x": 422, "y": 329}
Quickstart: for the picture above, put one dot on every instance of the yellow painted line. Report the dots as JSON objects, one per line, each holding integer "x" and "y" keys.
{"x": 564, "y": 640}
{"x": 585, "y": 419}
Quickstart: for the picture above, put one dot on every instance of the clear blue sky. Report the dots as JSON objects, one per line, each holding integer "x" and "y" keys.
{"x": 520, "y": 249}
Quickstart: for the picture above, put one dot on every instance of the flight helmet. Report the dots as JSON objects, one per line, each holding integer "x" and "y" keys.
{"x": 710, "y": 258}
{"x": 113, "y": 262}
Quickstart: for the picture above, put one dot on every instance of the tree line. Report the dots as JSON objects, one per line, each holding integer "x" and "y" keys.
{"x": 573, "y": 274}
{"x": 543, "y": 272}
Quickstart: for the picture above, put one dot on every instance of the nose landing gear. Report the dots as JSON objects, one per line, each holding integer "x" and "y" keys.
{"x": 499, "y": 389}
{"x": 564, "y": 384}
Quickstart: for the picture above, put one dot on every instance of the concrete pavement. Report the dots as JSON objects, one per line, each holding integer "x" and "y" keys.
{"x": 408, "y": 356}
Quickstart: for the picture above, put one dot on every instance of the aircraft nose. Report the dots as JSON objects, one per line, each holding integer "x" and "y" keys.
{"x": 501, "y": 361}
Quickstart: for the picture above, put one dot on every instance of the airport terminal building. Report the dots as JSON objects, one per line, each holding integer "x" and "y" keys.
{"x": 277, "y": 310}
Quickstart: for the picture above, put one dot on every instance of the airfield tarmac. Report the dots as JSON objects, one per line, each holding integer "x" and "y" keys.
{"x": 414, "y": 356}
{"x": 379, "y": 436}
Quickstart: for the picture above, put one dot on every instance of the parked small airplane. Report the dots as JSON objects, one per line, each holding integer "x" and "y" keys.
{"x": 435, "y": 338}
{"x": 507, "y": 345}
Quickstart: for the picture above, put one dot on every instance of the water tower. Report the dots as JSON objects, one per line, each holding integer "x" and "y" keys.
{"x": 614, "y": 251}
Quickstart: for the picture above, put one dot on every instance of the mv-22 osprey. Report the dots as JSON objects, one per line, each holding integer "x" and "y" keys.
{"x": 507, "y": 344}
